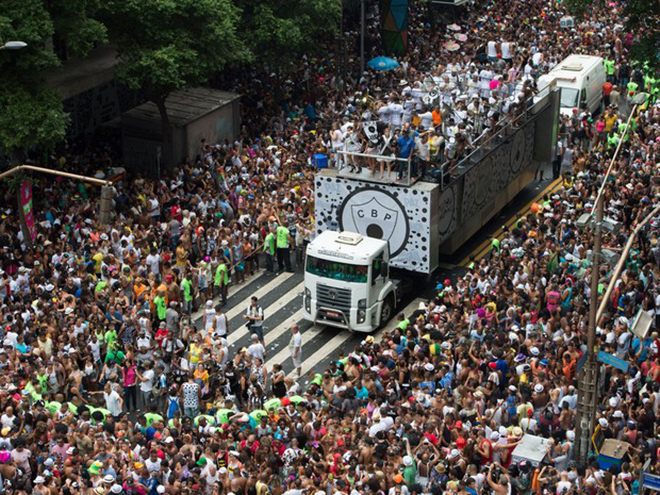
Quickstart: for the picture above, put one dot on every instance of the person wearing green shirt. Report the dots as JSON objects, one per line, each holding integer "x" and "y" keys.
{"x": 632, "y": 89}
{"x": 161, "y": 307}
{"x": 609, "y": 69}
{"x": 221, "y": 281}
{"x": 283, "y": 242}
{"x": 110, "y": 337}
{"x": 409, "y": 470}
{"x": 269, "y": 249}
{"x": 403, "y": 323}
{"x": 151, "y": 417}
{"x": 187, "y": 289}
{"x": 114, "y": 355}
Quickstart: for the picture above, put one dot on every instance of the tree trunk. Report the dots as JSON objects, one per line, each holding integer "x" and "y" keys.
{"x": 166, "y": 161}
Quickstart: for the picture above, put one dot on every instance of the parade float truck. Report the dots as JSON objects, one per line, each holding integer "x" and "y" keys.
{"x": 375, "y": 237}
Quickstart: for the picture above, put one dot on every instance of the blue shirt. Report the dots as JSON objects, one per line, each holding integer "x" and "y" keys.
{"x": 405, "y": 146}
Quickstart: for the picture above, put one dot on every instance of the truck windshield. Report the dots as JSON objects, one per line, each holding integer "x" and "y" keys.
{"x": 337, "y": 270}
{"x": 569, "y": 97}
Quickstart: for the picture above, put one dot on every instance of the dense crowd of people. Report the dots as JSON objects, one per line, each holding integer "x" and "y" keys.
{"x": 111, "y": 383}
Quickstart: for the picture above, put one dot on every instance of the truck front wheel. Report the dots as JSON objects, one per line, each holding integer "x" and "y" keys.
{"x": 385, "y": 312}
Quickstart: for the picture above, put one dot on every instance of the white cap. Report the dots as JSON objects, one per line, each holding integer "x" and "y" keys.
{"x": 160, "y": 489}
{"x": 407, "y": 460}
{"x": 494, "y": 436}
{"x": 603, "y": 422}
{"x": 454, "y": 453}
{"x": 429, "y": 367}
{"x": 39, "y": 479}
{"x": 535, "y": 351}
{"x": 570, "y": 435}
{"x": 538, "y": 388}
{"x": 116, "y": 488}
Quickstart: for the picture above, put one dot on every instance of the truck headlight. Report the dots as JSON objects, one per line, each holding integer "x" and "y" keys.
{"x": 308, "y": 300}
{"x": 362, "y": 310}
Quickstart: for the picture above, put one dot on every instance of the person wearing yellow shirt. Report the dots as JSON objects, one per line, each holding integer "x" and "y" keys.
{"x": 98, "y": 259}
{"x": 610, "y": 120}
{"x": 196, "y": 349}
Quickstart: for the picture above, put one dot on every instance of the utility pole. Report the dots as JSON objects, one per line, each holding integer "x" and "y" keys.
{"x": 362, "y": 22}
{"x": 588, "y": 380}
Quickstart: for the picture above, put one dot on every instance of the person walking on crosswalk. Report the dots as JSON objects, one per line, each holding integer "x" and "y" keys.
{"x": 295, "y": 348}
{"x": 283, "y": 247}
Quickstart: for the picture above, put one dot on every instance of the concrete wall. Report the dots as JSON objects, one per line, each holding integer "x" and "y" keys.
{"x": 214, "y": 127}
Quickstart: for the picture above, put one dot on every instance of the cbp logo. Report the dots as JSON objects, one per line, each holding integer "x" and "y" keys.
{"x": 375, "y": 213}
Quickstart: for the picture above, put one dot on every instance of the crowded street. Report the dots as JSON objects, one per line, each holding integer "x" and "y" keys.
{"x": 165, "y": 351}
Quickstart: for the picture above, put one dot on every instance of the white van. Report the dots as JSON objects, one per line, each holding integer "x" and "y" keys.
{"x": 581, "y": 79}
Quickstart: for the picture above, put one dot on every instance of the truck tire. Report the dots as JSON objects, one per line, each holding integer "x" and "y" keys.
{"x": 385, "y": 312}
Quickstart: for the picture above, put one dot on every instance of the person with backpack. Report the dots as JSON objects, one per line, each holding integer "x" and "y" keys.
{"x": 255, "y": 317}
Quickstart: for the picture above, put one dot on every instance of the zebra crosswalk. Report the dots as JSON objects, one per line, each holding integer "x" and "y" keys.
{"x": 280, "y": 296}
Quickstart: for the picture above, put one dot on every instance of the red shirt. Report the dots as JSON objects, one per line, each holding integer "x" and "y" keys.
{"x": 607, "y": 88}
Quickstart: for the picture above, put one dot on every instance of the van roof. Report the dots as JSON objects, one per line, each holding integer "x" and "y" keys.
{"x": 345, "y": 246}
{"x": 575, "y": 65}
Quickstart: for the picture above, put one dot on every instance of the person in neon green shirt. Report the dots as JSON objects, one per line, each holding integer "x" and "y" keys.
{"x": 110, "y": 336}
{"x": 221, "y": 281}
{"x": 404, "y": 322}
{"x": 269, "y": 249}
{"x": 161, "y": 306}
{"x": 283, "y": 242}
{"x": 151, "y": 417}
{"x": 187, "y": 289}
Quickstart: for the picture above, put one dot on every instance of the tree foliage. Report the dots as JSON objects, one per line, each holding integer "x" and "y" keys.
{"x": 165, "y": 45}
{"x": 32, "y": 113}
{"x": 76, "y": 24}
{"x": 279, "y": 31}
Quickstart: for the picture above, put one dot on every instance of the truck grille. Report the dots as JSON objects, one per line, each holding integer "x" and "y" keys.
{"x": 332, "y": 297}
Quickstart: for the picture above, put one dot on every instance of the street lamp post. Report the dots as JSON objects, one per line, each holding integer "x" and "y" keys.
{"x": 13, "y": 45}
{"x": 588, "y": 380}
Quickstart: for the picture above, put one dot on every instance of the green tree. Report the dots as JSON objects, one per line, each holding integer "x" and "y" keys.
{"x": 32, "y": 113}
{"x": 166, "y": 45}
{"x": 279, "y": 31}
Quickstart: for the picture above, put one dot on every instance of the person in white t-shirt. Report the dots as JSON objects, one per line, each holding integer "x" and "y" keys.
{"x": 256, "y": 349}
{"x": 113, "y": 401}
{"x": 147, "y": 383}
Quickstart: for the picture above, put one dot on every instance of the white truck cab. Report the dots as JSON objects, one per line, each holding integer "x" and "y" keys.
{"x": 347, "y": 282}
